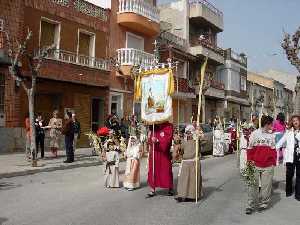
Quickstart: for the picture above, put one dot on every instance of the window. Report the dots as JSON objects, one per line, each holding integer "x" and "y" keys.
{"x": 49, "y": 33}
{"x": 134, "y": 41}
{"x": 1, "y": 33}
{"x": 86, "y": 43}
{"x": 2, "y": 88}
{"x": 243, "y": 83}
{"x": 1, "y": 25}
{"x": 181, "y": 69}
{"x": 116, "y": 104}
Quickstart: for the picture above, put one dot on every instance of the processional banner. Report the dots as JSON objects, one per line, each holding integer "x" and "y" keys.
{"x": 154, "y": 89}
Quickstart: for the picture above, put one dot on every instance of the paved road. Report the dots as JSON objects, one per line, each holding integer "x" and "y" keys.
{"x": 77, "y": 197}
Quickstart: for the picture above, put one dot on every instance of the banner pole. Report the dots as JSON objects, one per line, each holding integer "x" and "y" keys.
{"x": 153, "y": 165}
{"x": 198, "y": 122}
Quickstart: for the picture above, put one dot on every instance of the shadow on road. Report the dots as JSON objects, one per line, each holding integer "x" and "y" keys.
{"x": 7, "y": 186}
{"x": 2, "y": 220}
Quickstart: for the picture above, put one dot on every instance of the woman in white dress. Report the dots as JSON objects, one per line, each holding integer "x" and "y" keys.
{"x": 132, "y": 172}
{"x": 218, "y": 139}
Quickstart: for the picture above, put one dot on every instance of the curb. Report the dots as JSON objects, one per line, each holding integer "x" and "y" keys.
{"x": 50, "y": 169}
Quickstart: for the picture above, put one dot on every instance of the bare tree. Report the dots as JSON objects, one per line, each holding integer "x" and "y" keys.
{"x": 291, "y": 46}
{"x": 16, "y": 55}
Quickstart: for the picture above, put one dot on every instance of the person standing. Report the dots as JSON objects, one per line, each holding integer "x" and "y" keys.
{"x": 28, "y": 138}
{"x": 132, "y": 172}
{"x": 68, "y": 131}
{"x": 55, "y": 125}
{"x": 111, "y": 172}
{"x": 261, "y": 152}
{"x": 186, "y": 187}
{"x": 279, "y": 127}
{"x": 77, "y": 130}
{"x": 160, "y": 166}
{"x": 218, "y": 139}
{"x": 40, "y": 135}
{"x": 292, "y": 156}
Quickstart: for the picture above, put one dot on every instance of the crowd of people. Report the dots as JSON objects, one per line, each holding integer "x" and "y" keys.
{"x": 70, "y": 128}
{"x": 266, "y": 143}
{"x": 263, "y": 142}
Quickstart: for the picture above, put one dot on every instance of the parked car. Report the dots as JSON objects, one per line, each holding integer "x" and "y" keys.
{"x": 206, "y": 144}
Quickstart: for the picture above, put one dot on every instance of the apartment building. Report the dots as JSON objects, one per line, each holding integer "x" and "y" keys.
{"x": 200, "y": 22}
{"x": 75, "y": 75}
{"x": 270, "y": 94}
{"x": 185, "y": 66}
{"x": 234, "y": 76}
{"x": 134, "y": 25}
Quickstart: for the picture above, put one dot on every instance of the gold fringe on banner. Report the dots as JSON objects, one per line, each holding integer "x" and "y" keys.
{"x": 138, "y": 83}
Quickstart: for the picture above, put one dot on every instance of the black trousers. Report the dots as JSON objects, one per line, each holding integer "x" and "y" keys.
{"x": 290, "y": 172}
{"x": 40, "y": 139}
{"x": 69, "y": 148}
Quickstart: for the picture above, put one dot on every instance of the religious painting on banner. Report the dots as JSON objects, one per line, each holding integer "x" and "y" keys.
{"x": 156, "y": 86}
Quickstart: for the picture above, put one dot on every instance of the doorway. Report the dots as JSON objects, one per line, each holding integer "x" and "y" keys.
{"x": 97, "y": 109}
{"x": 116, "y": 104}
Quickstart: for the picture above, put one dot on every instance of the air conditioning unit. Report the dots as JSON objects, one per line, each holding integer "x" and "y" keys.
{"x": 1, "y": 25}
{"x": 2, "y": 119}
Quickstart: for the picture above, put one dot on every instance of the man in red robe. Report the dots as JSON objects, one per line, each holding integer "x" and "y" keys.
{"x": 162, "y": 141}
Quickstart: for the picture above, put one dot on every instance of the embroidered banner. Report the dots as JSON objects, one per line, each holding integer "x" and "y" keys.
{"x": 156, "y": 101}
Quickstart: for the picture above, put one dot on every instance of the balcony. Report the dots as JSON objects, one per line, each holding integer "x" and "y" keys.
{"x": 77, "y": 59}
{"x": 174, "y": 40}
{"x": 204, "y": 13}
{"x": 204, "y": 47}
{"x": 238, "y": 58}
{"x": 139, "y": 16}
{"x": 84, "y": 7}
{"x": 128, "y": 57}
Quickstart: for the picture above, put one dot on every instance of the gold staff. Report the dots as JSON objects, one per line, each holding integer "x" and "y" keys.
{"x": 202, "y": 74}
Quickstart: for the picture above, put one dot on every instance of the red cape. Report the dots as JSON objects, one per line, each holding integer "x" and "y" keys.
{"x": 163, "y": 176}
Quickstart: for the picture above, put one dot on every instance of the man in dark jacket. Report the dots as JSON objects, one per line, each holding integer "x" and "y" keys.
{"x": 40, "y": 134}
{"x": 68, "y": 131}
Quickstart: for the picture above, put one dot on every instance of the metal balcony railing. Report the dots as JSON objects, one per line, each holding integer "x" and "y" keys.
{"x": 139, "y": 7}
{"x": 131, "y": 57}
{"x": 78, "y": 59}
{"x": 84, "y": 7}
{"x": 238, "y": 57}
{"x": 173, "y": 39}
{"x": 207, "y": 44}
{"x": 209, "y": 5}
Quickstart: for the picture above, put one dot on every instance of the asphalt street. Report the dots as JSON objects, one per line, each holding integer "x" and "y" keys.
{"x": 77, "y": 197}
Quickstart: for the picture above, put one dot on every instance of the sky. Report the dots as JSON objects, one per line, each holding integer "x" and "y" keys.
{"x": 255, "y": 27}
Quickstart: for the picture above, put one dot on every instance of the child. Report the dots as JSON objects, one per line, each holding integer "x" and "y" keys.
{"x": 111, "y": 172}
{"x": 132, "y": 172}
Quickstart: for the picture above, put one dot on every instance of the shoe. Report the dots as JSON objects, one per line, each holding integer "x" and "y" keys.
{"x": 170, "y": 193}
{"x": 288, "y": 194}
{"x": 179, "y": 200}
{"x": 297, "y": 198}
{"x": 67, "y": 161}
{"x": 262, "y": 207}
{"x": 151, "y": 194}
{"x": 130, "y": 189}
{"x": 249, "y": 211}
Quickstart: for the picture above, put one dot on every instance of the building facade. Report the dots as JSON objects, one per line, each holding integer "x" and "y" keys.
{"x": 199, "y": 22}
{"x": 269, "y": 96}
{"x": 134, "y": 25}
{"x": 75, "y": 76}
{"x": 234, "y": 76}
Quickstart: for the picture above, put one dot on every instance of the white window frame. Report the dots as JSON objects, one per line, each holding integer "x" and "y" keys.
{"x": 136, "y": 36}
{"x": 57, "y": 33}
{"x": 111, "y": 94}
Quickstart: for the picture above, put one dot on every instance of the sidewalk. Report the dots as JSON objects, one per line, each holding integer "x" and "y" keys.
{"x": 14, "y": 164}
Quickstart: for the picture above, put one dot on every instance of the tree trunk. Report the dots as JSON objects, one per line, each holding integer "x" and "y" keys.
{"x": 32, "y": 126}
